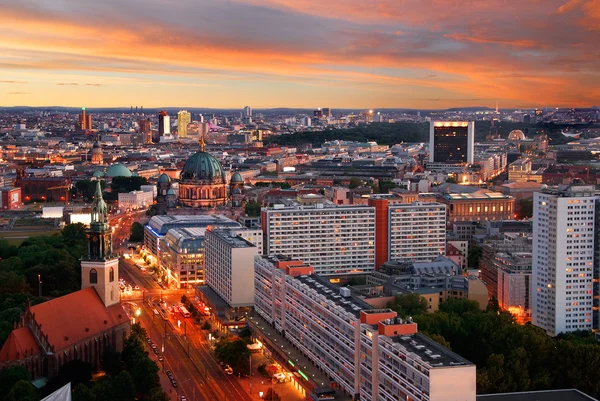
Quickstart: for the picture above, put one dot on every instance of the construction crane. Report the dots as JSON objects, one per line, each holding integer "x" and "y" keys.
{"x": 66, "y": 187}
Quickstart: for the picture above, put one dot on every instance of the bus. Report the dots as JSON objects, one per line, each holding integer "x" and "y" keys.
{"x": 184, "y": 312}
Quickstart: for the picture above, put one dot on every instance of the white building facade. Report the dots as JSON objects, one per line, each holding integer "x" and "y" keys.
{"x": 563, "y": 259}
{"x": 135, "y": 200}
{"x": 369, "y": 353}
{"x": 229, "y": 263}
{"x": 417, "y": 231}
{"x": 335, "y": 240}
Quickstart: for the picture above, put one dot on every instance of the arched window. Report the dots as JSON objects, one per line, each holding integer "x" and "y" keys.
{"x": 111, "y": 275}
{"x": 93, "y": 276}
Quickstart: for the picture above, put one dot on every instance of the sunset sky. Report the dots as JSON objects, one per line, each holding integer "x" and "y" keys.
{"x": 300, "y": 53}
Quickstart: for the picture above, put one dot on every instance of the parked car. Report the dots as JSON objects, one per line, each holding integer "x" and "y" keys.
{"x": 228, "y": 370}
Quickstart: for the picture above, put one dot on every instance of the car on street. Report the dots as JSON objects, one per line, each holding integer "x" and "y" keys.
{"x": 182, "y": 398}
{"x": 161, "y": 358}
{"x": 155, "y": 350}
{"x": 148, "y": 340}
{"x": 228, "y": 370}
{"x": 174, "y": 383}
{"x": 169, "y": 374}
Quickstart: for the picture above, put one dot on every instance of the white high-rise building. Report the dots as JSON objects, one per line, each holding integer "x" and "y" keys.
{"x": 563, "y": 258}
{"x": 336, "y": 240}
{"x": 417, "y": 231}
{"x": 247, "y": 111}
{"x": 229, "y": 263}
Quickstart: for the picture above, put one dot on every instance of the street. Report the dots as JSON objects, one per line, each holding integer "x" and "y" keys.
{"x": 198, "y": 374}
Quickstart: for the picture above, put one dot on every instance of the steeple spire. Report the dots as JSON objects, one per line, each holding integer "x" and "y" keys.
{"x": 202, "y": 143}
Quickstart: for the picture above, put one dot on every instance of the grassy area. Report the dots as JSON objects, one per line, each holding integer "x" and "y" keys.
{"x": 16, "y": 237}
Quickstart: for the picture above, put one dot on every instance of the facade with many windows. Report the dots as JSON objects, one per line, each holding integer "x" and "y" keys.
{"x": 229, "y": 263}
{"x": 369, "y": 353}
{"x": 417, "y": 231}
{"x": 563, "y": 258}
{"x": 335, "y": 240}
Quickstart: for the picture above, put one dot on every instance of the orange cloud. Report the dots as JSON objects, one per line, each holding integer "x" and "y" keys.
{"x": 386, "y": 53}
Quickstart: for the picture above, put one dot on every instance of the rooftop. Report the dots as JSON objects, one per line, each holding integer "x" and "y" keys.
{"x": 232, "y": 238}
{"x": 430, "y": 351}
{"x": 476, "y": 196}
{"x": 161, "y": 224}
{"x": 547, "y": 395}
{"x": 322, "y": 286}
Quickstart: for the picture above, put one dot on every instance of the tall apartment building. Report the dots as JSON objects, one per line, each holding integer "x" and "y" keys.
{"x": 370, "y": 353}
{"x": 563, "y": 258}
{"x": 417, "y": 231}
{"x": 229, "y": 263}
{"x": 335, "y": 240}
{"x": 164, "y": 123}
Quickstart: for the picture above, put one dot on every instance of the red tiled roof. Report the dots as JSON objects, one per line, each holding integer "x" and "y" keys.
{"x": 73, "y": 317}
{"x": 20, "y": 342}
{"x": 452, "y": 250}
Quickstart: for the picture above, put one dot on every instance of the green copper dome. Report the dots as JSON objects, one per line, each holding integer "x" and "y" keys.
{"x": 164, "y": 178}
{"x": 202, "y": 166}
{"x": 237, "y": 178}
{"x": 118, "y": 170}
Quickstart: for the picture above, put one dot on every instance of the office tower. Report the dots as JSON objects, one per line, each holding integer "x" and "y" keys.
{"x": 200, "y": 118}
{"x": 336, "y": 240}
{"x": 88, "y": 121}
{"x": 563, "y": 258}
{"x": 417, "y": 231}
{"x": 183, "y": 119}
{"x": 146, "y": 130}
{"x": 164, "y": 123}
{"x": 378, "y": 118}
{"x": 318, "y": 113}
{"x": 372, "y": 354}
{"x": 451, "y": 142}
{"x": 326, "y": 112}
{"x": 305, "y": 121}
{"x": 247, "y": 111}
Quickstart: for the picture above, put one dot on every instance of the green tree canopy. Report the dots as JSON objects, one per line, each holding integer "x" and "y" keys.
{"x": 234, "y": 352}
{"x": 474, "y": 256}
{"x": 408, "y": 305}
{"x": 137, "y": 232}
{"x": 253, "y": 209}
{"x": 83, "y": 393}
{"x": 355, "y": 182}
{"x": 271, "y": 395}
{"x": 10, "y": 376}
{"x": 23, "y": 390}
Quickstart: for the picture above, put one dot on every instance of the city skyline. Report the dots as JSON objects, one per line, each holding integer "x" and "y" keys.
{"x": 278, "y": 53}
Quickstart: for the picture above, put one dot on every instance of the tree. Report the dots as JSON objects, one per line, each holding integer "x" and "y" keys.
{"x": 158, "y": 394}
{"x": 83, "y": 393}
{"x": 235, "y": 353}
{"x": 111, "y": 362}
{"x": 253, "y": 209}
{"x": 452, "y": 180}
{"x": 137, "y": 232}
{"x": 459, "y": 306}
{"x": 206, "y": 326}
{"x": 408, "y": 305}
{"x": 127, "y": 184}
{"x": 355, "y": 182}
{"x": 271, "y": 395}
{"x": 385, "y": 186}
{"x": 145, "y": 375}
{"x": 123, "y": 387}
{"x": 474, "y": 256}
{"x": 10, "y": 376}
{"x": 23, "y": 390}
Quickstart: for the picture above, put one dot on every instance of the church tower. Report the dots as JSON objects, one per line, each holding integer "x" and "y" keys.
{"x": 100, "y": 268}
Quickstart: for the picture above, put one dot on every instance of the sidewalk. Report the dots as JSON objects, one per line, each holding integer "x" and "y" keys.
{"x": 286, "y": 391}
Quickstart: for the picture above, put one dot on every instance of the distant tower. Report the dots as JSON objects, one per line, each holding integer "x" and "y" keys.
{"x": 85, "y": 121}
{"x": 100, "y": 268}
{"x": 163, "y": 187}
{"x": 97, "y": 155}
{"x": 164, "y": 123}
{"x": 236, "y": 190}
{"x": 183, "y": 119}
